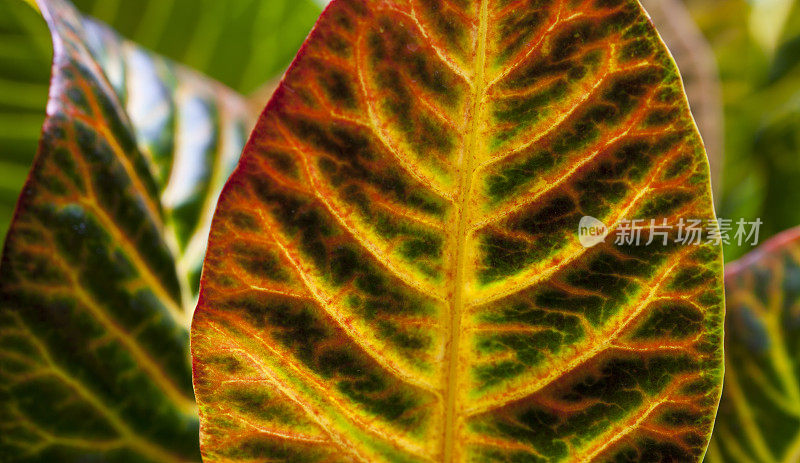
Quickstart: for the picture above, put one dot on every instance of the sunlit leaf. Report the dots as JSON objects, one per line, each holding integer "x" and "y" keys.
{"x": 759, "y": 415}
{"x": 242, "y": 43}
{"x": 394, "y": 272}
{"x": 767, "y": 21}
{"x": 103, "y": 255}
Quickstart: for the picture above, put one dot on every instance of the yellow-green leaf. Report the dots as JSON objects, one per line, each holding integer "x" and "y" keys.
{"x": 394, "y": 271}
{"x": 103, "y": 256}
{"x": 759, "y": 415}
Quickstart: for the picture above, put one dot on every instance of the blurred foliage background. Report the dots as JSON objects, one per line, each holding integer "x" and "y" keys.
{"x": 757, "y": 48}
{"x": 242, "y": 43}
{"x": 247, "y": 43}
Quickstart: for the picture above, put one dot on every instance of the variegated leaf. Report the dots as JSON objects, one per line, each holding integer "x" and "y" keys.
{"x": 104, "y": 252}
{"x": 697, "y": 63}
{"x": 394, "y": 272}
{"x": 759, "y": 415}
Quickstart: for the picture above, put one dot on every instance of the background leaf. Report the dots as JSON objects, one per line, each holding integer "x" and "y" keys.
{"x": 242, "y": 43}
{"x": 759, "y": 415}
{"x": 394, "y": 273}
{"x": 101, "y": 262}
{"x": 25, "y": 57}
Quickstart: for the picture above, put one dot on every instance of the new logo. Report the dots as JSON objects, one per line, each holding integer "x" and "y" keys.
{"x": 591, "y": 231}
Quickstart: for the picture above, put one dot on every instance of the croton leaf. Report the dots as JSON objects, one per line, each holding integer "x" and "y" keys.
{"x": 759, "y": 415}
{"x": 394, "y": 272}
{"x": 697, "y": 63}
{"x": 100, "y": 262}
{"x": 197, "y": 33}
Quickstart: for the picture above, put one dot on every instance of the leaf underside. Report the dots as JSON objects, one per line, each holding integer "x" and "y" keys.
{"x": 759, "y": 414}
{"x": 393, "y": 270}
{"x": 103, "y": 256}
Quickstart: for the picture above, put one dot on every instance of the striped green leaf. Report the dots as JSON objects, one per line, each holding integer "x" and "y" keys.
{"x": 759, "y": 415}
{"x": 394, "y": 272}
{"x": 241, "y": 43}
{"x": 100, "y": 267}
{"x": 25, "y": 57}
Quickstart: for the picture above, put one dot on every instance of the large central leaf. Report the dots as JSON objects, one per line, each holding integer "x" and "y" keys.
{"x": 394, "y": 272}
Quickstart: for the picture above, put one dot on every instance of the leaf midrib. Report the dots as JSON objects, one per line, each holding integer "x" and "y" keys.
{"x": 461, "y": 225}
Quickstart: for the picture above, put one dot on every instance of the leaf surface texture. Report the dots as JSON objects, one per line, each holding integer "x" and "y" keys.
{"x": 394, "y": 272}
{"x": 101, "y": 264}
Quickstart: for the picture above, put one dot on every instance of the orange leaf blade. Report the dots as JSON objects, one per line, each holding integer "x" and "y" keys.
{"x": 393, "y": 271}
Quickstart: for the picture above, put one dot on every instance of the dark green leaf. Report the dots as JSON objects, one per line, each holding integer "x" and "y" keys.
{"x": 101, "y": 261}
